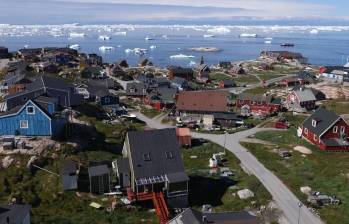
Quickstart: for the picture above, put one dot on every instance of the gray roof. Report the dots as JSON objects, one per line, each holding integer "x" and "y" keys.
{"x": 45, "y": 99}
{"x": 98, "y": 170}
{"x": 188, "y": 216}
{"x": 69, "y": 167}
{"x": 179, "y": 80}
{"x": 44, "y": 82}
{"x": 191, "y": 216}
{"x": 255, "y": 97}
{"x": 123, "y": 165}
{"x": 305, "y": 95}
{"x": 16, "y": 213}
{"x": 225, "y": 116}
{"x": 157, "y": 144}
{"x": 69, "y": 182}
{"x": 324, "y": 120}
{"x": 138, "y": 87}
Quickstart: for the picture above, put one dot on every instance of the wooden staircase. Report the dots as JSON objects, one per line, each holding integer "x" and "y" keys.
{"x": 160, "y": 207}
{"x": 158, "y": 201}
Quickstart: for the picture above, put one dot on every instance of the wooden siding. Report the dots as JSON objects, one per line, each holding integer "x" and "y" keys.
{"x": 39, "y": 124}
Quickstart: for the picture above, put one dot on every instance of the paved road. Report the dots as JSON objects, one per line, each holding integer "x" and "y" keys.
{"x": 283, "y": 197}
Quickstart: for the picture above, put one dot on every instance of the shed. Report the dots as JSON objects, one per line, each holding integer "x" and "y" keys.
{"x": 69, "y": 175}
{"x": 99, "y": 179}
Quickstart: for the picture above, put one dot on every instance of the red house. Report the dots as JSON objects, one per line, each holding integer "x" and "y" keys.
{"x": 259, "y": 104}
{"x": 325, "y": 129}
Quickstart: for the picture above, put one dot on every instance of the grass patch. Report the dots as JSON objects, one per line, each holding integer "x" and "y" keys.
{"x": 219, "y": 76}
{"x": 339, "y": 106}
{"x": 322, "y": 171}
{"x": 246, "y": 79}
{"x": 221, "y": 191}
{"x": 150, "y": 112}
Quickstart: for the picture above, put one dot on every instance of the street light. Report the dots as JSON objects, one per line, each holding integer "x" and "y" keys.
{"x": 299, "y": 211}
{"x": 225, "y": 140}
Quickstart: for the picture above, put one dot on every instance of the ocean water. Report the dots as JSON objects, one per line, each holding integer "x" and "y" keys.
{"x": 322, "y": 45}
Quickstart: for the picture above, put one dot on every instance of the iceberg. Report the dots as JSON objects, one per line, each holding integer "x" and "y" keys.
{"x": 267, "y": 42}
{"x": 192, "y": 64}
{"x": 106, "y": 48}
{"x": 75, "y": 35}
{"x": 248, "y": 35}
{"x": 104, "y": 37}
{"x": 219, "y": 30}
{"x": 149, "y": 38}
{"x": 181, "y": 56}
{"x": 120, "y": 33}
{"x": 139, "y": 51}
{"x": 152, "y": 47}
{"x": 209, "y": 36}
{"x": 314, "y": 31}
{"x": 75, "y": 47}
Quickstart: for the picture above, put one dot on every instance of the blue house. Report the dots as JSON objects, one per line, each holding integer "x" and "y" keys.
{"x": 34, "y": 118}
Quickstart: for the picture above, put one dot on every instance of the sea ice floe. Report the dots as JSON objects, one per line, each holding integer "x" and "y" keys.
{"x": 106, "y": 48}
{"x": 181, "y": 56}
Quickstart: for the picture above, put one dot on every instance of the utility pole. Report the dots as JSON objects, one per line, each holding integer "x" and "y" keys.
{"x": 299, "y": 211}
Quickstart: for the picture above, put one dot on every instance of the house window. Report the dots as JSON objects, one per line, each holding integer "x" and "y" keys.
{"x": 146, "y": 157}
{"x": 132, "y": 90}
{"x": 315, "y": 138}
{"x": 169, "y": 155}
{"x": 343, "y": 129}
{"x": 106, "y": 100}
{"x": 313, "y": 123}
{"x": 30, "y": 110}
{"x": 306, "y": 131}
{"x": 335, "y": 129}
{"x": 23, "y": 124}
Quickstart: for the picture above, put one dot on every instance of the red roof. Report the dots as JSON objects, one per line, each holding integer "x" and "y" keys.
{"x": 210, "y": 101}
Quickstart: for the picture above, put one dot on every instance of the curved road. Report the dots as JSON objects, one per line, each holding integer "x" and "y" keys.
{"x": 283, "y": 197}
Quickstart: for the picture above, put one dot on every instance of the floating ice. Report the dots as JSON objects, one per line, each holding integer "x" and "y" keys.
{"x": 181, "y": 56}
{"x": 152, "y": 47}
{"x": 75, "y": 47}
{"x": 248, "y": 35}
{"x": 75, "y": 35}
{"x": 314, "y": 31}
{"x": 209, "y": 36}
{"x": 149, "y": 38}
{"x": 106, "y": 48}
{"x": 120, "y": 33}
{"x": 104, "y": 37}
{"x": 219, "y": 30}
{"x": 267, "y": 42}
{"x": 139, "y": 51}
{"x": 192, "y": 64}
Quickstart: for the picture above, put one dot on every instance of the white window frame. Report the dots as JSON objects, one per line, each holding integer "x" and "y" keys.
{"x": 335, "y": 129}
{"x": 342, "y": 129}
{"x": 107, "y": 100}
{"x": 30, "y": 112}
{"x": 315, "y": 138}
{"x": 24, "y": 127}
{"x": 306, "y": 131}
{"x": 313, "y": 123}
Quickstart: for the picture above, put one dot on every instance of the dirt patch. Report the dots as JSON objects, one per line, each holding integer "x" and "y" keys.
{"x": 303, "y": 150}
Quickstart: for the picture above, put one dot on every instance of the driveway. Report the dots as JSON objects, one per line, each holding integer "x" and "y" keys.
{"x": 283, "y": 197}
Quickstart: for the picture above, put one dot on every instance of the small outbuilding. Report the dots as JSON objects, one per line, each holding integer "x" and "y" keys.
{"x": 99, "y": 179}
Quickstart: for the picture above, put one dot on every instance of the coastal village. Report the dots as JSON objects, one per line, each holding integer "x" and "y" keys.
{"x": 85, "y": 141}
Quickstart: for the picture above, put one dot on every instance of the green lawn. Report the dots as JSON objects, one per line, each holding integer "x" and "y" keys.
{"x": 220, "y": 194}
{"x": 322, "y": 171}
{"x": 219, "y": 76}
{"x": 339, "y": 106}
{"x": 151, "y": 113}
{"x": 246, "y": 79}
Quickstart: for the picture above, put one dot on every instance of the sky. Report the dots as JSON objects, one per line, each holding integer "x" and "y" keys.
{"x": 167, "y": 11}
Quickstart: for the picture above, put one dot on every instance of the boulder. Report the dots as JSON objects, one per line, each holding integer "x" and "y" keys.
{"x": 305, "y": 190}
{"x": 245, "y": 194}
